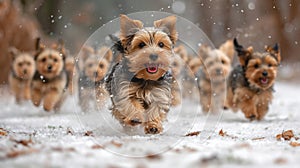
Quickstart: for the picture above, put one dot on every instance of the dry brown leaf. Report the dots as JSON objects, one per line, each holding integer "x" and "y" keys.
{"x": 96, "y": 146}
{"x": 23, "y": 142}
{"x": 61, "y": 149}
{"x": 70, "y": 131}
{"x": 286, "y": 135}
{"x": 88, "y": 133}
{"x": 153, "y": 156}
{"x": 15, "y": 153}
{"x": 117, "y": 144}
{"x": 3, "y": 132}
{"x": 222, "y": 133}
{"x": 295, "y": 144}
{"x": 258, "y": 138}
{"x": 196, "y": 133}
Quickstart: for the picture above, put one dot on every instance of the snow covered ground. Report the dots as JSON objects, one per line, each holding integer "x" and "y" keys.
{"x": 30, "y": 137}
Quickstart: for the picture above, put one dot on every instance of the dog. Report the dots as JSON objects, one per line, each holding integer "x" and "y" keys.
{"x": 95, "y": 66}
{"x": 50, "y": 81}
{"x": 213, "y": 75}
{"x": 140, "y": 85}
{"x": 250, "y": 84}
{"x": 72, "y": 74}
{"x": 22, "y": 71}
{"x": 177, "y": 66}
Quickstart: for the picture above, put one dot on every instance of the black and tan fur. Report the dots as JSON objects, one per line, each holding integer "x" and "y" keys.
{"x": 95, "y": 66}
{"x": 20, "y": 77}
{"x": 251, "y": 83}
{"x": 140, "y": 84}
{"x": 49, "y": 84}
{"x": 213, "y": 75}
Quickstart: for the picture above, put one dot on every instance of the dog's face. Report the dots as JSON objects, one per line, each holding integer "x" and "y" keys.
{"x": 49, "y": 63}
{"x": 148, "y": 50}
{"x": 96, "y": 63}
{"x": 23, "y": 64}
{"x": 260, "y": 67}
{"x": 217, "y": 63}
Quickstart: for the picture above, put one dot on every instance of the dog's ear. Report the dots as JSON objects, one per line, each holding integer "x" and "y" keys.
{"x": 13, "y": 52}
{"x": 182, "y": 52}
{"x": 243, "y": 54}
{"x": 168, "y": 26}
{"x": 129, "y": 27}
{"x": 194, "y": 64}
{"x": 204, "y": 51}
{"x": 86, "y": 52}
{"x": 228, "y": 49}
{"x": 39, "y": 47}
{"x": 60, "y": 47}
{"x": 274, "y": 51}
{"x": 106, "y": 53}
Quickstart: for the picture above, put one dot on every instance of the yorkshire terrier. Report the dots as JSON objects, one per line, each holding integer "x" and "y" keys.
{"x": 50, "y": 80}
{"x": 251, "y": 83}
{"x": 213, "y": 75}
{"x": 177, "y": 66}
{"x": 22, "y": 71}
{"x": 72, "y": 74}
{"x": 140, "y": 85}
{"x": 96, "y": 64}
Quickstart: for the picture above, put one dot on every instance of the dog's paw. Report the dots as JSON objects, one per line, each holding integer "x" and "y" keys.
{"x": 153, "y": 128}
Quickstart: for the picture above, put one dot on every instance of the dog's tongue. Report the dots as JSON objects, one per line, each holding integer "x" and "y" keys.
{"x": 264, "y": 80}
{"x": 152, "y": 69}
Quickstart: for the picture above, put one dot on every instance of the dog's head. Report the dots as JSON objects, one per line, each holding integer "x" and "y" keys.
{"x": 217, "y": 62}
{"x": 260, "y": 67}
{"x": 96, "y": 63}
{"x": 23, "y": 63}
{"x": 50, "y": 61}
{"x": 148, "y": 50}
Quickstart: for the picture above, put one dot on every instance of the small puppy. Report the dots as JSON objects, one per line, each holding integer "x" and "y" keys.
{"x": 96, "y": 65}
{"x": 50, "y": 80}
{"x": 178, "y": 64}
{"x": 72, "y": 74}
{"x": 140, "y": 85}
{"x": 251, "y": 83}
{"x": 213, "y": 74}
{"x": 22, "y": 71}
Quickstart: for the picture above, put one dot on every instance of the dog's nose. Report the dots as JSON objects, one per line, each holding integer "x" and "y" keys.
{"x": 265, "y": 73}
{"x": 153, "y": 57}
{"x": 49, "y": 67}
{"x": 95, "y": 74}
{"x": 25, "y": 71}
{"x": 219, "y": 71}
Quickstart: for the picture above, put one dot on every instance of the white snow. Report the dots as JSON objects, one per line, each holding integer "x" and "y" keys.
{"x": 58, "y": 140}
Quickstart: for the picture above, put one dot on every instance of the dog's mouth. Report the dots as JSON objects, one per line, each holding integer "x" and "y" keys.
{"x": 264, "y": 80}
{"x": 152, "y": 68}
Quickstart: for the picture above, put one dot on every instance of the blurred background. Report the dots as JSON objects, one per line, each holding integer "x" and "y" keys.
{"x": 253, "y": 22}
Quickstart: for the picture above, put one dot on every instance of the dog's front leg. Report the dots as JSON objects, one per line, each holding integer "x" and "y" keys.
{"x": 51, "y": 99}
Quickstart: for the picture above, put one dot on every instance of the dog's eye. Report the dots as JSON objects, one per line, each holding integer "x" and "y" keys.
{"x": 101, "y": 65}
{"x": 161, "y": 44}
{"x": 270, "y": 65}
{"x": 28, "y": 63}
{"x": 55, "y": 60}
{"x": 44, "y": 60}
{"x": 142, "y": 44}
{"x": 90, "y": 65}
{"x": 223, "y": 62}
{"x": 175, "y": 64}
{"x": 256, "y": 66}
{"x": 20, "y": 64}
